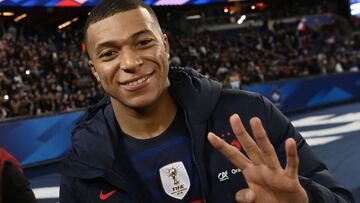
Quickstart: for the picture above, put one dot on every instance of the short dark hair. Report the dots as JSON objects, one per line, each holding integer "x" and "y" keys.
{"x": 107, "y": 8}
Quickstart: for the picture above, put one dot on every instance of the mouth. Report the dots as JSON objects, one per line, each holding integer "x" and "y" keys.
{"x": 137, "y": 83}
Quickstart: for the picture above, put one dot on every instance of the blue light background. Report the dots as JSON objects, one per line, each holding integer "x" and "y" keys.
{"x": 42, "y": 139}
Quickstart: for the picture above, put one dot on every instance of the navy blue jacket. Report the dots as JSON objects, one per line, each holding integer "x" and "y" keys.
{"x": 97, "y": 166}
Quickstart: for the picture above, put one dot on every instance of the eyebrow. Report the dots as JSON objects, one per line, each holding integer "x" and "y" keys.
{"x": 112, "y": 42}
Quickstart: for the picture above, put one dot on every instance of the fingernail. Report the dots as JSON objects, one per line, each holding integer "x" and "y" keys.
{"x": 233, "y": 116}
{"x": 249, "y": 196}
{"x": 210, "y": 134}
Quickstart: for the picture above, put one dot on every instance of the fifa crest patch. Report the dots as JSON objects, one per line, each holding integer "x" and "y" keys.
{"x": 175, "y": 180}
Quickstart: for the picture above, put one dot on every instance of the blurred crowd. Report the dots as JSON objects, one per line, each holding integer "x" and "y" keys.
{"x": 47, "y": 73}
{"x": 263, "y": 54}
{"x": 44, "y": 74}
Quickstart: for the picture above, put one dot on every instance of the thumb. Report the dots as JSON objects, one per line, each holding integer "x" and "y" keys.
{"x": 245, "y": 195}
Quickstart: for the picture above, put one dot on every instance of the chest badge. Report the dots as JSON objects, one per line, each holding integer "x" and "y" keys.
{"x": 175, "y": 180}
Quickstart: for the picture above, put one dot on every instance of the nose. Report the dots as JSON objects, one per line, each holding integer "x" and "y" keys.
{"x": 130, "y": 60}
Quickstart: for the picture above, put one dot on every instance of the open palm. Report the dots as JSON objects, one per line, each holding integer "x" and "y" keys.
{"x": 268, "y": 181}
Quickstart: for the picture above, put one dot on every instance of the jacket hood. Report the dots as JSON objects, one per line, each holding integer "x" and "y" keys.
{"x": 92, "y": 138}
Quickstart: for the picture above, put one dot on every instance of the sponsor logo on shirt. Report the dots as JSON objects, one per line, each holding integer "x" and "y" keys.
{"x": 105, "y": 196}
{"x": 223, "y": 176}
{"x": 231, "y": 139}
{"x": 235, "y": 171}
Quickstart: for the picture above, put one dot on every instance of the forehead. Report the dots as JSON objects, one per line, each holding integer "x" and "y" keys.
{"x": 235, "y": 75}
{"x": 120, "y": 26}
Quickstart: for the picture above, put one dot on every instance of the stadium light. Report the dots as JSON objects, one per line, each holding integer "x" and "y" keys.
{"x": 64, "y": 25}
{"x": 8, "y": 13}
{"x": 355, "y": 6}
{"x": 170, "y": 2}
{"x": 253, "y": 7}
{"x": 27, "y": 72}
{"x": 67, "y": 23}
{"x": 355, "y": 12}
{"x": 226, "y": 10}
{"x": 6, "y": 97}
{"x": 193, "y": 17}
{"x": 22, "y": 16}
{"x": 81, "y": 1}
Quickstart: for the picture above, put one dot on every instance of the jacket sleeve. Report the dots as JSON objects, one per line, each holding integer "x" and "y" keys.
{"x": 16, "y": 188}
{"x": 67, "y": 190}
{"x": 314, "y": 176}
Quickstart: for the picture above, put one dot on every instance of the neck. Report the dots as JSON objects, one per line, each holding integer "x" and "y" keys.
{"x": 148, "y": 122}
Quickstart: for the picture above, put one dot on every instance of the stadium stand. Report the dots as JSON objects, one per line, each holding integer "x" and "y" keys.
{"x": 47, "y": 73}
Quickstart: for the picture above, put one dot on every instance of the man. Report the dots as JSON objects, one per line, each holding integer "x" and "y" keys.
{"x": 233, "y": 80}
{"x": 153, "y": 138}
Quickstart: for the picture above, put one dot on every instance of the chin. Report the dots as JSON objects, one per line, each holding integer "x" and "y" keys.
{"x": 140, "y": 103}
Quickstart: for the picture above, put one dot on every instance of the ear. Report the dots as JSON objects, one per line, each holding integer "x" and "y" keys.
{"x": 93, "y": 70}
{"x": 166, "y": 45}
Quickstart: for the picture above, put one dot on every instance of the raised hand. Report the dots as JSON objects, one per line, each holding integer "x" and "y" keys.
{"x": 268, "y": 181}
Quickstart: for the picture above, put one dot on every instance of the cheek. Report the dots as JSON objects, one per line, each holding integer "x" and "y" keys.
{"x": 156, "y": 54}
{"x": 106, "y": 72}
{"x": 161, "y": 56}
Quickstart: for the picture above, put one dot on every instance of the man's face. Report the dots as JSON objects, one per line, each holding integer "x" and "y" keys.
{"x": 129, "y": 57}
{"x": 234, "y": 78}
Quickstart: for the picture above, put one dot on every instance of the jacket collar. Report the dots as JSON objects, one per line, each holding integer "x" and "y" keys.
{"x": 197, "y": 94}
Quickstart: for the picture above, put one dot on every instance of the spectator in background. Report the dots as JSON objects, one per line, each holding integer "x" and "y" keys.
{"x": 3, "y": 111}
{"x": 14, "y": 187}
{"x": 40, "y": 75}
{"x": 233, "y": 80}
{"x": 15, "y": 104}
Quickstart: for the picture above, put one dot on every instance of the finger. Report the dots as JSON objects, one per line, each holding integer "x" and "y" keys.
{"x": 267, "y": 150}
{"x": 230, "y": 152}
{"x": 292, "y": 162}
{"x": 248, "y": 144}
{"x": 245, "y": 195}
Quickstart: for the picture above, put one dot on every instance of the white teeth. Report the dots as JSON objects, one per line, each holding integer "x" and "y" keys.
{"x": 137, "y": 81}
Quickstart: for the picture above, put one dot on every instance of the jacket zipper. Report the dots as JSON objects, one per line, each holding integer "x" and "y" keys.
{"x": 193, "y": 154}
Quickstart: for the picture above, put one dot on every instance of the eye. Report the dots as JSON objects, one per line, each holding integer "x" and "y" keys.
{"x": 144, "y": 42}
{"x": 106, "y": 54}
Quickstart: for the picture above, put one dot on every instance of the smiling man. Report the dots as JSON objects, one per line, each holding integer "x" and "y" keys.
{"x": 152, "y": 139}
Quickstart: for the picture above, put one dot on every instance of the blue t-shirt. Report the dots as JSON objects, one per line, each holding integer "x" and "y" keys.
{"x": 164, "y": 164}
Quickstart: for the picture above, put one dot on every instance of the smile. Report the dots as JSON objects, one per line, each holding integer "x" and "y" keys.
{"x": 134, "y": 85}
{"x": 138, "y": 81}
